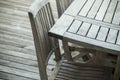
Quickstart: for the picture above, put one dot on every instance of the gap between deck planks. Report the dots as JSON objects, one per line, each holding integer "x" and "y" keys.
{"x": 17, "y": 53}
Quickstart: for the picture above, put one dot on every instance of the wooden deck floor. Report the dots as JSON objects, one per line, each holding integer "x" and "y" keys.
{"x": 17, "y": 53}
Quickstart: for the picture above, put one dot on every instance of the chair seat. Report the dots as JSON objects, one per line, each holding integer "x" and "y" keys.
{"x": 77, "y": 71}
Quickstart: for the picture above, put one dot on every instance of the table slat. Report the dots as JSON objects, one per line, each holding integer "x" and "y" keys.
{"x": 84, "y": 29}
{"x": 75, "y": 26}
{"x": 110, "y": 11}
{"x": 102, "y": 10}
{"x": 86, "y": 8}
{"x": 93, "y": 31}
{"x": 92, "y": 13}
{"x": 75, "y": 7}
{"x": 102, "y": 33}
{"x": 112, "y": 36}
{"x": 116, "y": 19}
{"x": 118, "y": 39}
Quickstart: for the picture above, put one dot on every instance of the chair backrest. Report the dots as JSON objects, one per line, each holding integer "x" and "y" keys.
{"x": 41, "y": 19}
{"x": 62, "y": 5}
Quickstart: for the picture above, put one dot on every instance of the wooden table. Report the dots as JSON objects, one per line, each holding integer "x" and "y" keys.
{"x": 94, "y": 24}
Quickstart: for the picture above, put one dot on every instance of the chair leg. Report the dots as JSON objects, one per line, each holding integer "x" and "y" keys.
{"x": 117, "y": 69}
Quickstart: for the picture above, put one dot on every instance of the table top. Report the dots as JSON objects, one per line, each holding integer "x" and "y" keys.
{"x": 91, "y": 23}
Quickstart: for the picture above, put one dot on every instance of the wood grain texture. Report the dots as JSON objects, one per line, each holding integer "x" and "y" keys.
{"x": 76, "y": 71}
{"x": 17, "y": 52}
{"x": 62, "y": 5}
{"x": 42, "y": 20}
{"x": 101, "y": 14}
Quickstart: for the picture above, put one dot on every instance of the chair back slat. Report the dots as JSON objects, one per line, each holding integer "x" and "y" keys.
{"x": 42, "y": 20}
{"x": 43, "y": 24}
{"x": 62, "y": 5}
{"x": 50, "y": 15}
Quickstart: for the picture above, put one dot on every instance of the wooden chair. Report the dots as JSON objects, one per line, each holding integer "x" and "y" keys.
{"x": 62, "y": 5}
{"x": 41, "y": 19}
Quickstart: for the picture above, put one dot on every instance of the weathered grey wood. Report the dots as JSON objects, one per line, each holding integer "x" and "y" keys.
{"x": 112, "y": 36}
{"x": 97, "y": 22}
{"x": 116, "y": 19}
{"x": 118, "y": 39}
{"x": 14, "y": 34}
{"x": 60, "y": 30}
{"x": 75, "y": 26}
{"x": 18, "y": 59}
{"x": 67, "y": 51}
{"x": 12, "y": 43}
{"x": 98, "y": 9}
{"x": 39, "y": 40}
{"x": 16, "y": 39}
{"x": 92, "y": 13}
{"x": 18, "y": 49}
{"x": 110, "y": 12}
{"x": 62, "y": 5}
{"x": 19, "y": 2}
{"x": 93, "y": 31}
{"x": 75, "y": 71}
{"x": 85, "y": 41}
{"x": 8, "y": 16}
{"x": 102, "y": 34}
{"x": 7, "y": 21}
{"x": 18, "y": 54}
{"x": 86, "y": 8}
{"x": 41, "y": 19}
{"x": 11, "y": 5}
{"x": 10, "y": 11}
{"x": 19, "y": 66}
{"x": 101, "y": 14}
{"x": 75, "y": 7}
{"x": 7, "y": 76}
{"x": 84, "y": 29}
{"x": 103, "y": 46}
{"x": 18, "y": 72}
{"x": 15, "y": 29}
{"x": 102, "y": 10}
{"x": 13, "y": 21}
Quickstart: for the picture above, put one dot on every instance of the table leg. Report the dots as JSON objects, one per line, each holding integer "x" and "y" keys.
{"x": 57, "y": 52}
{"x": 117, "y": 69}
{"x": 66, "y": 50}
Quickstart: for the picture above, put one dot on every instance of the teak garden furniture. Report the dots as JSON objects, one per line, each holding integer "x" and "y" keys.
{"x": 41, "y": 21}
{"x": 93, "y": 24}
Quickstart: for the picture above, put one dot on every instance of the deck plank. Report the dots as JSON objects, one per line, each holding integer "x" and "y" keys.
{"x": 17, "y": 52}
